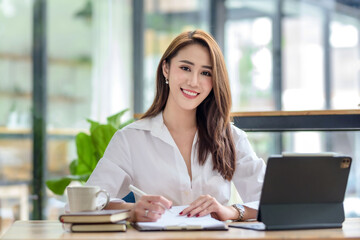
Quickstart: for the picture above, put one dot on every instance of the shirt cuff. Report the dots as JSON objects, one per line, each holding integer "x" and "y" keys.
{"x": 116, "y": 200}
{"x": 253, "y": 205}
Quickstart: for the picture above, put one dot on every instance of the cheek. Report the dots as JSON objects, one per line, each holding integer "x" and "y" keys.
{"x": 178, "y": 73}
{"x": 207, "y": 85}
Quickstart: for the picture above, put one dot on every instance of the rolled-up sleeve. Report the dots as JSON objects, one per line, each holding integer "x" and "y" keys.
{"x": 250, "y": 170}
{"x": 114, "y": 170}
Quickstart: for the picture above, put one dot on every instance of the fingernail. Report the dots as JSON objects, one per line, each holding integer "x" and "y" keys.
{"x": 197, "y": 215}
{"x": 188, "y": 215}
{"x": 180, "y": 213}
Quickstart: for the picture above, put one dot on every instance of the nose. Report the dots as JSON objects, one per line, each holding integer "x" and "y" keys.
{"x": 193, "y": 80}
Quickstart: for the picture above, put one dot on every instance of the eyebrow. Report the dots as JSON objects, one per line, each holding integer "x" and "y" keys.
{"x": 191, "y": 63}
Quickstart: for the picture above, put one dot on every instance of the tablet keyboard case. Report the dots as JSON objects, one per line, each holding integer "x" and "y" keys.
{"x": 304, "y": 192}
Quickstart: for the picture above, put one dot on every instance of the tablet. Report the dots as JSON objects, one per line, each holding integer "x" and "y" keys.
{"x": 303, "y": 191}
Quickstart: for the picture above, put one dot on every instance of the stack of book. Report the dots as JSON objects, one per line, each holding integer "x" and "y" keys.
{"x": 97, "y": 221}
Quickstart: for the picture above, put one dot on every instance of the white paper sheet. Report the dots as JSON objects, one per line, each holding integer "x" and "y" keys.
{"x": 171, "y": 220}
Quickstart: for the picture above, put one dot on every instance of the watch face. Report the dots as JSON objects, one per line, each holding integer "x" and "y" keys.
{"x": 240, "y": 206}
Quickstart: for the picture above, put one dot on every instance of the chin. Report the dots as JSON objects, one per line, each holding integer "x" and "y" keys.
{"x": 189, "y": 108}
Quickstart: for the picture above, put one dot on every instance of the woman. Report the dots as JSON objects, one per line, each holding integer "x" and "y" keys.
{"x": 184, "y": 150}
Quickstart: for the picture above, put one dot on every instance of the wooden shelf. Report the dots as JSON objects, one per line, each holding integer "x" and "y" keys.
{"x": 52, "y": 98}
{"x": 56, "y": 61}
{"x": 59, "y": 133}
{"x": 296, "y": 113}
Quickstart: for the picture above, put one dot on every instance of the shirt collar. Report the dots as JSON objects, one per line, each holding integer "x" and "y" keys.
{"x": 155, "y": 125}
{"x": 158, "y": 129}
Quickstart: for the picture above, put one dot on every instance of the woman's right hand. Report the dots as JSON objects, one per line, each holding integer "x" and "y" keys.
{"x": 149, "y": 208}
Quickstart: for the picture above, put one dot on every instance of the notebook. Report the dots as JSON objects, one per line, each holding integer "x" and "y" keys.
{"x": 102, "y": 216}
{"x": 172, "y": 221}
{"x": 95, "y": 227}
{"x": 302, "y": 192}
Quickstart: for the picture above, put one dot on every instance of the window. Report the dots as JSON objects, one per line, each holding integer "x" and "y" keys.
{"x": 15, "y": 110}
{"x": 88, "y": 76}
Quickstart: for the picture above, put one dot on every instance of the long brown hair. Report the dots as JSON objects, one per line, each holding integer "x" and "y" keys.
{"x": 213, "y": 114}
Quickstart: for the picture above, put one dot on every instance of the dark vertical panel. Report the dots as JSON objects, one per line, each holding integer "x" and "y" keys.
{"x": 138, "y": 55}
{"x": 277, "y": 66}
{"x": 217, "y": 21}
{"x": 39, "y": 107}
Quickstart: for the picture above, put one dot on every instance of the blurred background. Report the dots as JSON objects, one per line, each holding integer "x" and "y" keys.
{"x": 101, "y": 57}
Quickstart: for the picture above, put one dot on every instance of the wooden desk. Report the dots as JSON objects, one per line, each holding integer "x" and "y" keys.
{"x": 38, "y": 230}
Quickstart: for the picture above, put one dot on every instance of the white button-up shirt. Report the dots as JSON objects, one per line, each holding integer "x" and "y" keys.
{"x": 144, "y": 154}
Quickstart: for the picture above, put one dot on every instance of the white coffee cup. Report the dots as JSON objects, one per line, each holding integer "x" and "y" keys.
{"x": 85, "y": 198}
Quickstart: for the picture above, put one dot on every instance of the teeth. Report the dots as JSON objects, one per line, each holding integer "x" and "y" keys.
{"x": 189, "y": 93}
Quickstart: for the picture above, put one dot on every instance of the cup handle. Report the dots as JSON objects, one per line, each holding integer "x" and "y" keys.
{"x": 107, "y": 199}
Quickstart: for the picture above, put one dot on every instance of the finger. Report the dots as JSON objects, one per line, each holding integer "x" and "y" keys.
{"x": 153, "y": 216}
{"x": 144, "y": 215}
{"x": 147, "y": 211}
{"x": 167, "y": 204}
{"x": 151, "y": 206}
{"x": 193, "y": 205}
{"x": 204, "y": 207}
{"x": 207, "y": 210}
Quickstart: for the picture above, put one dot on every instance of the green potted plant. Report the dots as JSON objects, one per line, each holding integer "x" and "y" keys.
{"x": 90, "y": 148}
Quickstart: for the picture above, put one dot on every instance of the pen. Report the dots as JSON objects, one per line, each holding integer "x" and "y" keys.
{"x": 136, "y": 191}
{"x": 141, "y": 193}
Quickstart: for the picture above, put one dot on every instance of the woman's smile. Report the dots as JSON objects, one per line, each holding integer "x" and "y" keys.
{"x": 189, "y": 94}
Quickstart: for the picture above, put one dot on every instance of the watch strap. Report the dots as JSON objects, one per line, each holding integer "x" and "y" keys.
{"x": 241, "y": 210}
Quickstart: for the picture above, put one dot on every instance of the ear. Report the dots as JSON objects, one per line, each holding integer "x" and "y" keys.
{"x": 165, "y": 69}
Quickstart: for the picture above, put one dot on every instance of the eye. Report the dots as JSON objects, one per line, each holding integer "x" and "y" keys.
{"x": 208, "y": 74}
{"x": 185, "y": 68}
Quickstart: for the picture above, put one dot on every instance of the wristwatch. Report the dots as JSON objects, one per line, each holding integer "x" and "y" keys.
{"x": 240, "y": 208}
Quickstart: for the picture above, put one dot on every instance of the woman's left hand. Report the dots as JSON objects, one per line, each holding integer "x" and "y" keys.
{"x": 207, "y": 204}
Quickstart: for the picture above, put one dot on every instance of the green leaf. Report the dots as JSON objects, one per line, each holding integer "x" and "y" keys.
{"x": 114, "y": 120}
{"x": 76, "y": 168}
{"x": 90, "y": 148}
{"x": 93, "y": 124}
{"x": 73, "y": 167}
{"x": 85, "y": 150}
{"x": 58, "y": 186}
{"x": 101, "y": 137}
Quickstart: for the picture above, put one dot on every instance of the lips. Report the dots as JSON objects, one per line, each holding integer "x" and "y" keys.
{"x": 189, "y": 93}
